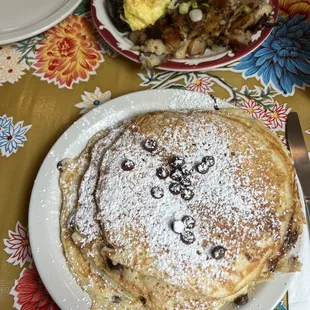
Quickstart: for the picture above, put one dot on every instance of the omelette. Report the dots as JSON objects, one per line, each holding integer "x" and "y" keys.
{"x": 140, "y": 13}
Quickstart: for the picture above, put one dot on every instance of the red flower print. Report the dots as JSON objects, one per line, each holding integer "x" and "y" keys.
{"x": 263, "y": 116}
{"x": 283, "y": 140}
{"x": 251, "y": 106}
{"x": 201, "y": 85}
{"x": 30, "y": 293}
{"x": 18, "y": 246}
{"x": 277, "y": 116}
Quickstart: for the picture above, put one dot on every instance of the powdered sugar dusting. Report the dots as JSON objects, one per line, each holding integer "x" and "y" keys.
{"x": 86, "y": 213}
{"x": 223, "y": 203}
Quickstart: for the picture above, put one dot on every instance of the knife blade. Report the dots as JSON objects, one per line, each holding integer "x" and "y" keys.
{"x": 299, "y": 152}
{"x": 300, "y": 156}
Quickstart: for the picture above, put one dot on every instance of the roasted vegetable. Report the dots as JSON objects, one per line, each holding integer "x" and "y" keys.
{"x": 116, "y": 12}
{"x": 192, "y": 26}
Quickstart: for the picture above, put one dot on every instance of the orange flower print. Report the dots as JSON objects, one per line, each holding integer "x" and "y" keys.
{"x": 69, "y": 54}
{"x": 294, "y": 7}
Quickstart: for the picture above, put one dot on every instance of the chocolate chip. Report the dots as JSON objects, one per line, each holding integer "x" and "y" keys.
{"x": 188, "y": 236}
{"x": 209, "y": 160}
{"x": 290, "y": 239}
{"x": 116, "y": 299}
{"x": 218, "y": 252}
{"x": 143, "y": 300}
{"x": 157, "y": 192}
{"x": 112, "y": 266}
{"x": 150, "y": 145}
{"x": 60, "y": 166}
{"x": 187, "y": 169}
{"x": 187, "y": 193}
{"x": 242, "y": 300}
{"x": 186, "y": 182}
{"x": 178, "y": 227}
{"x": 162, "y": 173}
{"x": 128, "y": 165}
{"x": 248, "y": 257}
{"x": 176, "y": 175}
{"x": 175, "y": 188}
{"x": 177, "y": 161}
{"x": 202, "y": 168}
{"x": 189, "y": 222}
{"x": 272, "y": 264}
{"x": 71, "y": 221}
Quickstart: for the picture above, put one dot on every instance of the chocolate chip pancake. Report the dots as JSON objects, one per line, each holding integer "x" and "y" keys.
{"x": 102, "y": 292}
{"x": 182, "y": 210}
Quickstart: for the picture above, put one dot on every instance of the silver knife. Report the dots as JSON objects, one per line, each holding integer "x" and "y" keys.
{"x": 300, "y": 156}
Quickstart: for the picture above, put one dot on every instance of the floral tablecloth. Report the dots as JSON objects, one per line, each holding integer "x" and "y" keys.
{"x": 49, "y": 81}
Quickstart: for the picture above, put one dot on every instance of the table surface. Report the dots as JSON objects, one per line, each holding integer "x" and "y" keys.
{"x": 51, "y": 80}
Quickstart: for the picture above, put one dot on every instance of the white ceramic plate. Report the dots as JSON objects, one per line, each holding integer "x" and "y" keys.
{"x": 23, "y": 19}
{"x": 45, "y": 201}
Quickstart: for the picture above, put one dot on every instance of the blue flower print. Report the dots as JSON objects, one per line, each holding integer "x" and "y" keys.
{"x": 12, "y": 138}
{"x": 280, "y": 306}
{"x": 5, "y": 123}
{"x": 283, "y": 59}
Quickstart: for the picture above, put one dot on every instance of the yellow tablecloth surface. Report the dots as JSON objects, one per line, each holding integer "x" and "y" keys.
{"x": 49, "y": 81}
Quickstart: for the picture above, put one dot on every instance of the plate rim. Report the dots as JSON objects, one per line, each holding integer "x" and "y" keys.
{"x": 46, "y": 166}
{"x": 41, "y": 26}
{"x": 182, "y": 66}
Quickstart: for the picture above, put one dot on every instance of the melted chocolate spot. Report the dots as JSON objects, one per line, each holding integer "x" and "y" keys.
{"x": 113, "y": 267}
{"x": 249, "y": 257}
{"x": 189, "y": 222}
{"x": 242, "y": 300}
{"x": 272, "y": 264}
{"x": 188, "y": 236}
{"x": 128, "y": 165}
{"x": 177, "y": 162}
{"x": 187, "y": 193}
{"x": 175, "y": 188}
{"x": 157, "y": 192}
{"x": 291, "y": 239}
{"x": 218, "y": 252}
{"x": 116, "y": 299}
{"x": 150, "y": 145}
{"x": 162, "y": 173}
{"x": 143, "y": 300}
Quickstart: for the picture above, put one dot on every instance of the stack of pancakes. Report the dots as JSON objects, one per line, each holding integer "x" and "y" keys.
{"x": 179, "y": 210}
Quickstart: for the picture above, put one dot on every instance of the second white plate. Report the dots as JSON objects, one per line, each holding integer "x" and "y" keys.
{"x": 23, "y": 19}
